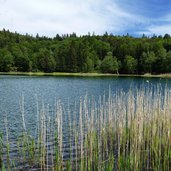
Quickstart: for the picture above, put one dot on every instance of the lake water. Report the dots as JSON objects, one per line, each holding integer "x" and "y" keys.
{"x": 47, "y": 90}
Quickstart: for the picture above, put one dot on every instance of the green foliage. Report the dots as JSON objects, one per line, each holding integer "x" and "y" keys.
{"x": 21, "y": 59}
{"x": 148, "y": 60}
{"x": 89, "y": 65}
{"x": 130, "y": 64}
{"x": 89, "y": 53}
{"x": 6, "y": 60}
{"x": 167, "y": 62}
{"x": 109, "y": 64}
{"x": 45, "y": 61}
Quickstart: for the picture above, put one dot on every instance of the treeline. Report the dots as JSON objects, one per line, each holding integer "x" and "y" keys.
{"x": 89, "y": 53}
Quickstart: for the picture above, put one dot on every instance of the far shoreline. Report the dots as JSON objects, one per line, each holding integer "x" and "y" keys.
{"x": 167, "y": 75}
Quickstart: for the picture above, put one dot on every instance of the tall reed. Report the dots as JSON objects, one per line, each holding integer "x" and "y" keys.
{"x": 121, "y": 131}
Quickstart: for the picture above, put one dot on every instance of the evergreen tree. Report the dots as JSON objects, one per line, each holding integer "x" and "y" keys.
{"x": 6, "y": 60}
{"x": 45, "y": 61}
{"x": 89, "y": 53}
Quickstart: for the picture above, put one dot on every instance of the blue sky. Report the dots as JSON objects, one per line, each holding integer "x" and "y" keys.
{"x": 49, "y": 17}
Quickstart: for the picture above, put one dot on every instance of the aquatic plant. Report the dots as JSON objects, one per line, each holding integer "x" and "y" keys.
{"x": 123, "y": 131}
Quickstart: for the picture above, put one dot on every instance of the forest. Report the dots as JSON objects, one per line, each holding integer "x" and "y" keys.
{"x": 105, "y": 53}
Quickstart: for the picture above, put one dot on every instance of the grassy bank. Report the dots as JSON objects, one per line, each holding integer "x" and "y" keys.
{"x": 55, "y": 74}
{"x": 84, "y": 74}
{"x": 127, "y": 131}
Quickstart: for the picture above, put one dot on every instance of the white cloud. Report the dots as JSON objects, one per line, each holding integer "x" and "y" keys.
{"x": 49, "y": 17}
{"x": 159, "y": 29}
{"x": 159, "y": 26}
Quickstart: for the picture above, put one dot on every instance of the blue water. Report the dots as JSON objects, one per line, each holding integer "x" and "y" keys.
{"x": 47, "y": 90}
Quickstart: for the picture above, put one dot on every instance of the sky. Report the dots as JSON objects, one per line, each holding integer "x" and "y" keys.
{"x": 119, "y": 17}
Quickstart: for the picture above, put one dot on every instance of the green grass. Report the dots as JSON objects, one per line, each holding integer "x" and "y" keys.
{"x": 56, "y": 74}
{"x": 112, "y": 134}
{"x": 93, "y": 74}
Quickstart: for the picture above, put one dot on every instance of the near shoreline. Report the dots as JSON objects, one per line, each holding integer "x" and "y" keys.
{"x": 84, "y": 74}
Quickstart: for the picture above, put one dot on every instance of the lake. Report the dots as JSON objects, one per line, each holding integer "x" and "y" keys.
{"x": 49, "y": 121}
{"x": 45, "y": 91}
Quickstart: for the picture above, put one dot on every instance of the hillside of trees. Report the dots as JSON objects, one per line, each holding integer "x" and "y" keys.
{"x": 89, "y": 53}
